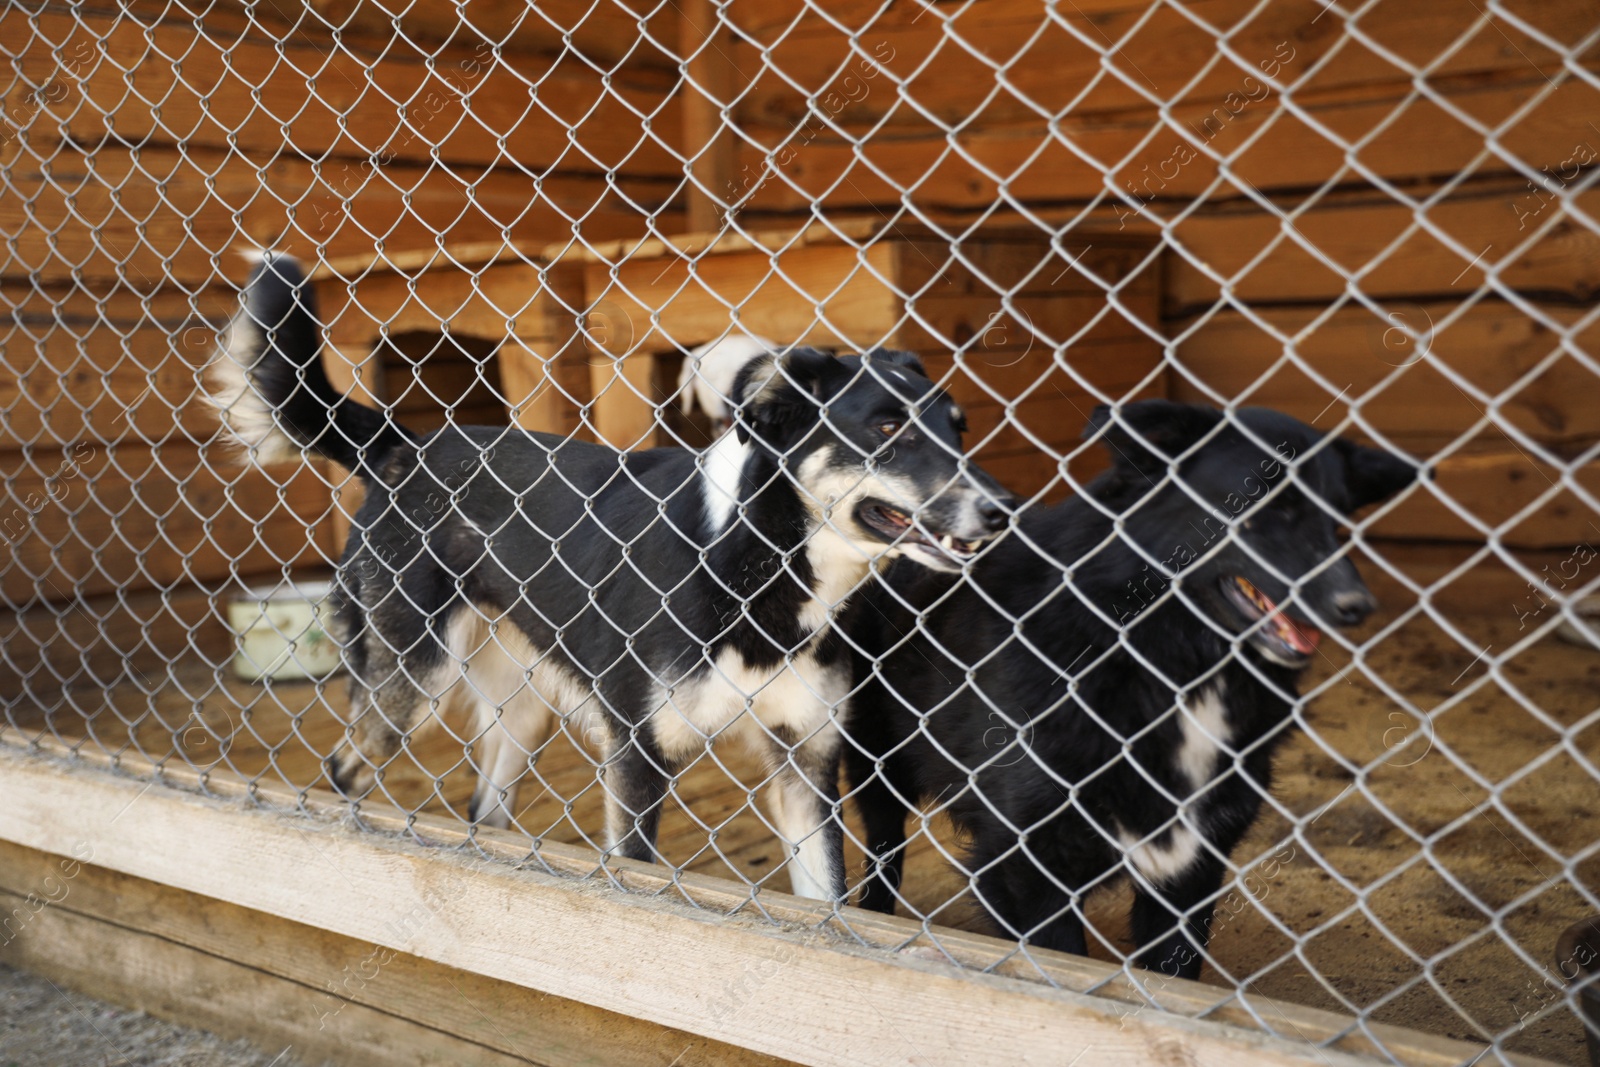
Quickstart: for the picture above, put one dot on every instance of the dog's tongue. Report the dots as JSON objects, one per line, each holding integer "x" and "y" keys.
{"x": 1298, "y": 636}
{"x": 1303, "y": 639}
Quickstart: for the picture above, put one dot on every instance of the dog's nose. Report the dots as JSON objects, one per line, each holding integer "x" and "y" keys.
{"x": 994, "y": 514}
{"x": 1353, "y": 605}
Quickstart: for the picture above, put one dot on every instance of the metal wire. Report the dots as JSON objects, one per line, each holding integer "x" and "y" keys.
{"x": 489, "y": 212}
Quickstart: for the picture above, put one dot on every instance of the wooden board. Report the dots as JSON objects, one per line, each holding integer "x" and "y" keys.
{"x": 1446, "y": 254}
{"x": 585, "y": 944}
{"x": 274, "y": 982}
{"x": 1496, "y": 488}
{"x": 608, "y": 34}
{"x": 1070, "y": 165}
{"x": 161, "y": 215}
{"x": 81, "y": 369}
{"x": 67, "y": 655}
{"x": 87, "y": 520}
{"x": 237, "y": 85}
{"x": 857, "y": 310}
{"x": 1398, "y": 377}
{"x": 1055, "y": 62}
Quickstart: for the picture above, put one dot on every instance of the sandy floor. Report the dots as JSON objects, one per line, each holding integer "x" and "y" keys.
{"x": 42, "y": 1025}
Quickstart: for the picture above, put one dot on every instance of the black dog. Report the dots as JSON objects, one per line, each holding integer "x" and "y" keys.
{"x": 665, "y": 597}
{"x": 1114, "y": 718}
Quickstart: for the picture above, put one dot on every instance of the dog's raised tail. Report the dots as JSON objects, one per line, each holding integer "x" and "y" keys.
{"x": 269, "y": 385}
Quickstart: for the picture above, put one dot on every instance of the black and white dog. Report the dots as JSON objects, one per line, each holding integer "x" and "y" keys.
{"x": 1080, "y": 711}
{"x": 665, "y": 598}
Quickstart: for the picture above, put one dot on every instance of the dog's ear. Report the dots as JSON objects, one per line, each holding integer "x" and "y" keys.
{"x": 896, "y": 357}
{"x": 774, "y": 393}
{"x": 1134, "y": 432}
{"x": 1372, "y": 475}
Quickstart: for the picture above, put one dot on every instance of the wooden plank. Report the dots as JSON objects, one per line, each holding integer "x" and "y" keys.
{"x": 813, "y": 294}
{"x": 1401, "y": 388}
{"x": 489, "y": 302}
{"x": 1494, "y": 487}
{"x": 87, "y": 520}
{"x": 1379, "y": 242}
{"x": 951, "y": 64}
{"x": 585, "y": 944}
{"x": 951, "y": 322}
{"x": 608, "y": 33}
{"x": 163, "y": 215}
{"x": 82, "y": 371}
{"x": 990, "y": 376}
{"x": 1022, "y": 261}
{"x": 354, "y": 998}
{"x": 93, "y": 641}
{"x": 1038, "y": 167}
{"x": 220, "y": 995}
{"x": 235, "y": 84}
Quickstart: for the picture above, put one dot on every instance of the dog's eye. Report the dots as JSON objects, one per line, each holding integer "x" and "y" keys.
{"x": 890, "y": 427}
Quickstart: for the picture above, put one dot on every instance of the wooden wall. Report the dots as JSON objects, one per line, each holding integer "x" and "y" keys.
{"x": 142, "y": 149}
{"x": 1318, "y": 201}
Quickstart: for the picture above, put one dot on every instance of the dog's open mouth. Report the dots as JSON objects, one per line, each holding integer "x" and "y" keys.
{"x": 892, "y": 524}
{"x": 1280, "y": 636}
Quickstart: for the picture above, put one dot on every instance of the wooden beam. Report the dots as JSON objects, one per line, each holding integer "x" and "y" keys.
{"x": 752, "y": 983}
{"x": 706, "y": 46}
{"x": 144, "y": 945}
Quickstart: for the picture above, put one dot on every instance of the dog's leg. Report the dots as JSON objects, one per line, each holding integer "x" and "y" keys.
{"x": 508, "y": 739}
{"x": 392, "y": 695}
{"x": 1025, "y": 900}
{"x": 1171, "y": 925}
{"x": 805, "y": 804}
{"x": 635, "y": 781}
{"x": 380, "y": 719}
{"x": 884, "y": 817}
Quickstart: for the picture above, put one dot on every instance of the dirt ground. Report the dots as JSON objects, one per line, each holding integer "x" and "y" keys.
{"x": 1393, "y": 872}
{"x": 43, "y": 1025}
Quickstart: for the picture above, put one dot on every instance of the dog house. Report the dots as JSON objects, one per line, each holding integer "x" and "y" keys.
{"x": 1378, "y": 219}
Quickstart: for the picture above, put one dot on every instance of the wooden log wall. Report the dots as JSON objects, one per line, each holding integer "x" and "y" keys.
{"x": 1001, "y": 105}
{"x": 142, "y": 149}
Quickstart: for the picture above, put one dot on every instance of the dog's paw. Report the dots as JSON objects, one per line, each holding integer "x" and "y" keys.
{"x": 349, "y": 773}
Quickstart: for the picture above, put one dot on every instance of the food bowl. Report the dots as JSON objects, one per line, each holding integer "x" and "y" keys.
{"x": 1577, "y": 959}
{"x": 279, "y": 632}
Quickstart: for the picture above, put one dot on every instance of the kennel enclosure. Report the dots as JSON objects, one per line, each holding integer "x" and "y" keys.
{"x": 1376, "y": 217}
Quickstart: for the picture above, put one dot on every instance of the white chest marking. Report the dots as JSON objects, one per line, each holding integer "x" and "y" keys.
{"x": 722, "y": 476}
{"x": 838, "y": 567}
{"x": 1206, "y": 731}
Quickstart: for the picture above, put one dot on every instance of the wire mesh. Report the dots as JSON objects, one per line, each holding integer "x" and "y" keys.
{"x": 584, "y": 219}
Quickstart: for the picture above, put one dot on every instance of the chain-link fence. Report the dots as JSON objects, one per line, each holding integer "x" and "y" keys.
{"x": 1123, "y": 691}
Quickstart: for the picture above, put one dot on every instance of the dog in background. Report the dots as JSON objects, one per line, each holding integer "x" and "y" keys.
{"x": 709, "y": 371}
{"x": 663, "y": 598}
{"x": 1105, "y": 690}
